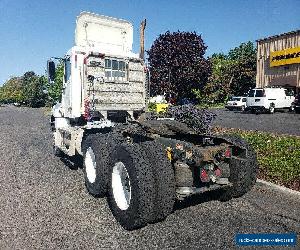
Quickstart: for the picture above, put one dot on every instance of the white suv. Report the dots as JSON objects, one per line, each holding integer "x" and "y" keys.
{"x": 269, "y": 99}
{"x": 236, "y": 102}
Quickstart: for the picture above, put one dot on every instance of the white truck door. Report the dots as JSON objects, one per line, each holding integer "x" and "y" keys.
{"x": 273, "y": 96}
{"x": 66, "y": 95}
{"x": 250, "y": 98}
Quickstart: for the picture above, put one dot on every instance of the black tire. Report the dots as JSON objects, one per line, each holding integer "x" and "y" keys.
{"x": 95, "y": 149}
{"x": 243, "y": 171}
{"x": 52, "y": 123}
{"x": 291, "y": 109}
{"x": 272, "y": 109}
{"x": 141, "y": 205}
{"x": 101, "y": 145}
{"x": 164, "y": 180}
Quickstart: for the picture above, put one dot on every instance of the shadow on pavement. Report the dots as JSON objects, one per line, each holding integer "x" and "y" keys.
{"x": 198, "y": 199}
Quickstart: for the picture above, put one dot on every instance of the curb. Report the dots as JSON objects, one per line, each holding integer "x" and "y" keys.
{"x": 277, "y": 187}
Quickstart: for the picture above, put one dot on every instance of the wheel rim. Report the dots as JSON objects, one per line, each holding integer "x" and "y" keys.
{"x": 90, "y": 165}
{"x": 121, "y": 186}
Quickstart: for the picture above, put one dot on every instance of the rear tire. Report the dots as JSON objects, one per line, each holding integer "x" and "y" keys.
{"x": 164, "y": 180}
{"x": 243, "y": 171}
{"x": 272, "y": 109}
{"x": 96, "y": 151}
{"x": 95, "y": 164}
{"x": 131, "y": 190}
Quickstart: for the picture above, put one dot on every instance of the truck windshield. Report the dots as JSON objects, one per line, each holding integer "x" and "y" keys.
{"x": 256, "y": 93}
{"x": 235, "y": 99}
{"x": 259, "y": 93}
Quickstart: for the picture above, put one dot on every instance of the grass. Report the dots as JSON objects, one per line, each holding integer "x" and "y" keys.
{"x": 278, "y": 156}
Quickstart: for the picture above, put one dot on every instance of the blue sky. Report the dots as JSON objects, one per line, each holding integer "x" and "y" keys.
{"x": 34, "y": 30}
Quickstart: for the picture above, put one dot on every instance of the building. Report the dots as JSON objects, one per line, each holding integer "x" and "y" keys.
{"x": 278, "y": 61}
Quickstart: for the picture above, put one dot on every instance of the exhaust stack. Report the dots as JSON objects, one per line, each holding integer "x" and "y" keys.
{"x": 142, "y": 39}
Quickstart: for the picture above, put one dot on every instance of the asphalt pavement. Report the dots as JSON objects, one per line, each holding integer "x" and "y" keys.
{"x": 44, "y": 203}
{"x": 279, "y": 122}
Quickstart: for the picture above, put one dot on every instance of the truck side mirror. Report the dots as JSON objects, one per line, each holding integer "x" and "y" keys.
{"x": 51, "y": 70}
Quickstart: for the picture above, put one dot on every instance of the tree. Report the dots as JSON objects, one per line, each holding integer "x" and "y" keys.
{"x": 28, "y": 89}
{"x": 11, "y": 91}
{"x": 177, "y": 64}
{"x": 33, "y": 89}
{"x": 232, "y": 74}
{"x": 244, "y": 72}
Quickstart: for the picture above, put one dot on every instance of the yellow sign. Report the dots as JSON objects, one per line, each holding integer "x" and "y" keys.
{"x": 284, "y": 57}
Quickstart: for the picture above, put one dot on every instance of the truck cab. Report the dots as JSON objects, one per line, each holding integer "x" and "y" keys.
{"x": 101, "y": 73}
{"x": 102, "y": 77}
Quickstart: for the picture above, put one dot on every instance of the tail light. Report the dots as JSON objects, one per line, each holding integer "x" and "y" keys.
{"x": 218, "y": 172}
{"x": 204, "y": 176}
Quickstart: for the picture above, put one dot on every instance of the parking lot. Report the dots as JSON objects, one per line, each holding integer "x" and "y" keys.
{"x": 279, "y": 122}
{"x": 44, "y": 204}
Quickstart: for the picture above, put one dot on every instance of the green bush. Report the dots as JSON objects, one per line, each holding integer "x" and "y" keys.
{"x": 278, "y": 155}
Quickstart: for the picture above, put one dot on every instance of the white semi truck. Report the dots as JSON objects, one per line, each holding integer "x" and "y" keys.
{"x": 141, "y": 165}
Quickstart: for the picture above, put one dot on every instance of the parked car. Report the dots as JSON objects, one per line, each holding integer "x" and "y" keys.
{"x": 236, "y": 102}
{"x": 296, "y": 104}
{"x": 269, "y": 99}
